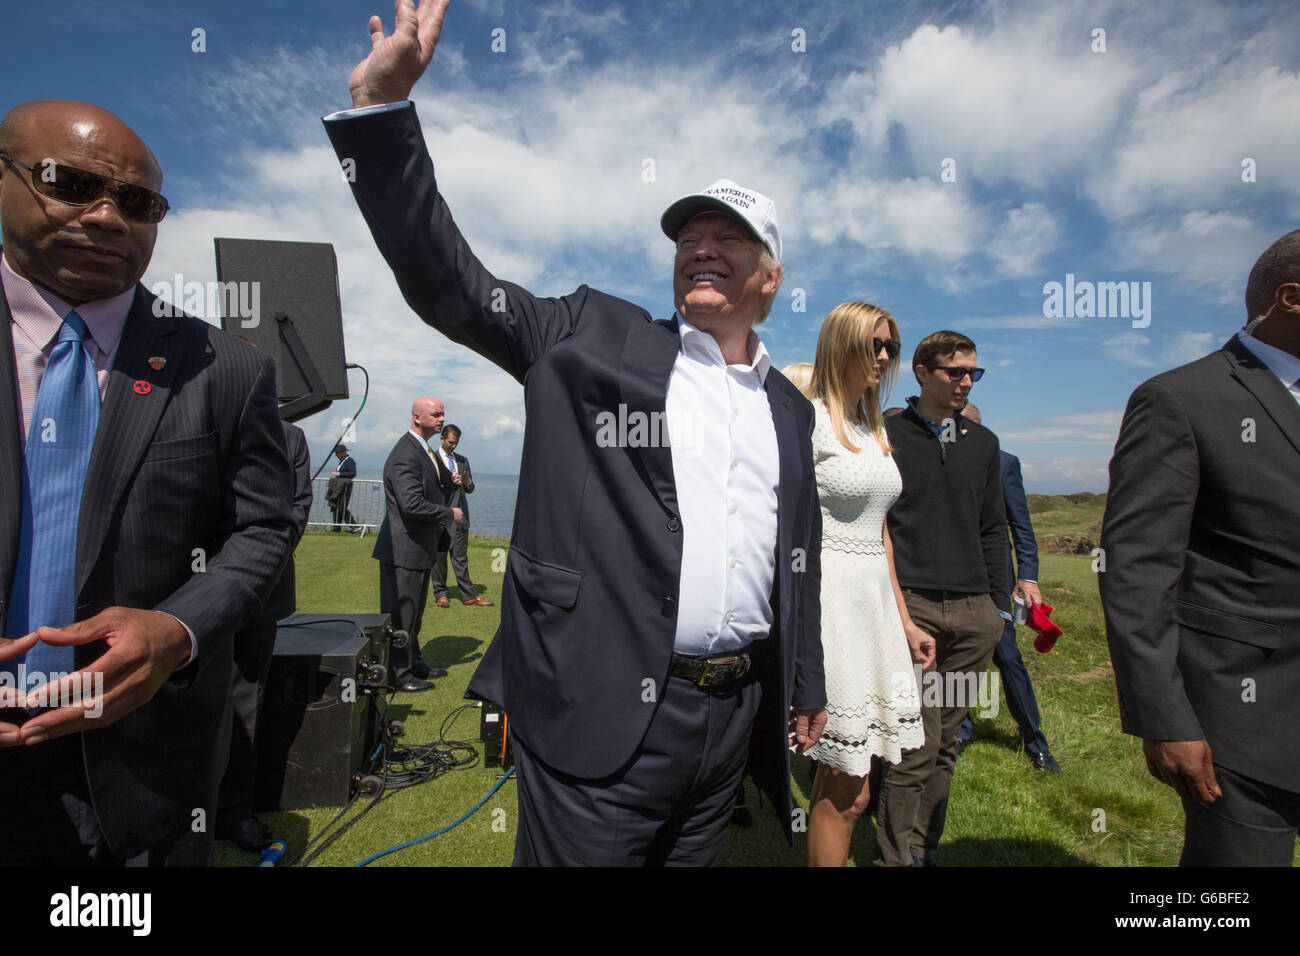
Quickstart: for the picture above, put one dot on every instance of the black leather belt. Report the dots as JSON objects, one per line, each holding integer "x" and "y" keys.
{"x": 710, "y": 671}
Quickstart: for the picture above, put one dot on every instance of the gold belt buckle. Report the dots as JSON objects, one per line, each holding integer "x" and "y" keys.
{"x": 710, "y": 663}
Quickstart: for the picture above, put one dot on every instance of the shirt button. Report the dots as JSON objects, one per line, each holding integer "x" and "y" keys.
{"x": 735, "y": 462}
{"x": 733, "y": 509}
{"x": 729, "y": 617}
{"x": 733, "y": 562}
{"x": 674, "y": 525}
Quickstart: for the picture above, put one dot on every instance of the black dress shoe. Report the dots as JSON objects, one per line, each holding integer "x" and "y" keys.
{"x": 423, "y": 671}
{"x": 250, "y": 835}
{"x": 1045, "y": 761}
{"x": 408, "y": 683}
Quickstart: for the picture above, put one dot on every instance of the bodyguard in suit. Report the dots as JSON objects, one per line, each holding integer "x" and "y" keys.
{"x": 659, "y": 614}
{"x": 1200, "y": 581}
{"x": 144, "y": 495}
{"x": 457, "y": 485}
{"x": 417, "y": 525}
{"x": 1024, "y": 559}
{"x": 254, "y": 648}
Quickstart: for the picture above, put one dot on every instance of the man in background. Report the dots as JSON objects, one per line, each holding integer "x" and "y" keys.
{"x": 144, "y": 507}
{"x": 1015, "y": 679}
{"x": 1201, "y": 567}
{"x": 457, "y": 482}
{"x": 949, "y": 530}
{"x": 339, "y": 493}
{"x": 417, "y": 525}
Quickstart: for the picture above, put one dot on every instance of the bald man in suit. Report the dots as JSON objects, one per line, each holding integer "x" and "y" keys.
{"x": 170, "y": 526}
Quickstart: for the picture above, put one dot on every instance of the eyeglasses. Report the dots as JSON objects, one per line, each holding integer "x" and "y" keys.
{"x": 891, "y": 346}
{"x": 956, "y": 373}
{"x": 76, "y": 187}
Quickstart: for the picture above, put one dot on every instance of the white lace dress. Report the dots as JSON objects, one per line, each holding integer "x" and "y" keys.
{"x": 872, "y": 701}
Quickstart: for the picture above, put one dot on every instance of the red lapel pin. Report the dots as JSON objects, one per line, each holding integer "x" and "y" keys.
{"x": 142, "y": 387}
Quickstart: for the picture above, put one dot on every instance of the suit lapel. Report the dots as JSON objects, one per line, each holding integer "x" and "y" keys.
{"x": 127, "y": 421}
{"x": 649, "y": 352}
{"x": 1277, "y": 400}
{"x": 789, "y": 480}
{"x": 11, "y": 457}
{"x": 426, "y": 456}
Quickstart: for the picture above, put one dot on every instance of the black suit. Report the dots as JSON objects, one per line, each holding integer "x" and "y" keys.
{"x": 457, "y": 496}
{"x": 416, "y": 527}
{"x": 589, "y": 601}
{"x": 197, "y": 462}
{"x": 254, "y": 647}
{"x": 1200, "y": 585}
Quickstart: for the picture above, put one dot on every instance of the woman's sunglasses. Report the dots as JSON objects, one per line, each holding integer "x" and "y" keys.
{"x": 891, "y": 347}
{"x": 76, "y": 187}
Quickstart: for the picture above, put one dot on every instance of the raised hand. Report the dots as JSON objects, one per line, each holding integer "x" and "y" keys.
{"x": 396, "y": 62}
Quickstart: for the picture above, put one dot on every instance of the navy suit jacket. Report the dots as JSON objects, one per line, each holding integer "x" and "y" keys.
{"x": 1025, "y": 566}
{"x": 196, "y": 462}
{"x": 589, "y": 602}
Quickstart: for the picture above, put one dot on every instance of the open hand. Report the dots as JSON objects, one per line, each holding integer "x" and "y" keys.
{"x": 395, "y": 63}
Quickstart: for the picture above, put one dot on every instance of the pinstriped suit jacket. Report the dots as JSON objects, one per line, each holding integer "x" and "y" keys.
{"x": 190, "y": 474}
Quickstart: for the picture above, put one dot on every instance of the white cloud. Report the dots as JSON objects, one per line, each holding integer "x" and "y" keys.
{"x": 501, "y": 425}
{"x": 1190, "y": 132}
{"x": 1027, "y": 234}
{"x": 1211, "y": 251}
{"x": 1100, "y": 427}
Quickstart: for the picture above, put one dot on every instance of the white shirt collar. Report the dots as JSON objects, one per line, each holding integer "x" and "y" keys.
{"x": 1282, "y": 364}
{"x": 703, "y": 347}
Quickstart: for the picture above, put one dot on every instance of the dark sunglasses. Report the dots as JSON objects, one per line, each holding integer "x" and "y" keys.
{"x": 956, "y": 373}
{"x": 891, "y": 346}
{"x": 76, "y": 187}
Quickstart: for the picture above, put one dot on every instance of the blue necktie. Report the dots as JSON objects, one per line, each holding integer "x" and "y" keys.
{"x": 54, "y": 471}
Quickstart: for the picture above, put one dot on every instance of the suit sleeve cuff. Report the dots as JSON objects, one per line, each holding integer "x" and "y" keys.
{"x": 194, "y": 643}
{"x": 360, "y": 111}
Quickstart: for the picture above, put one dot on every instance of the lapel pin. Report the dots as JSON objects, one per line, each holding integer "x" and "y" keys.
{"x": 142, "y": 387}
{"x": 156, "y": 362}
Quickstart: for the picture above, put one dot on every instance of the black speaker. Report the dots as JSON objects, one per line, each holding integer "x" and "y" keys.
{"x": 294, "y": 279}
{"x": 320, "y": 720}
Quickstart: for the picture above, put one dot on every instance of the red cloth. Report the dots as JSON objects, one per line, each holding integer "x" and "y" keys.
{"x": 1048, "y": 631}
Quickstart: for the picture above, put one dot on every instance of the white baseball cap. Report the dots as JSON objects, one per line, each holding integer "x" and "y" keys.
{"x": 750, "y": 207}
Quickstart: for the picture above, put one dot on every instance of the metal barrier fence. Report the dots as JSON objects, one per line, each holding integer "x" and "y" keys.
{"x": 365, "y": 508}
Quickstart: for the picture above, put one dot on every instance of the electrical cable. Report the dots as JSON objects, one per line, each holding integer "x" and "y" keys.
{"x": 364, "y": 396}
{"x": 429, "y": 836}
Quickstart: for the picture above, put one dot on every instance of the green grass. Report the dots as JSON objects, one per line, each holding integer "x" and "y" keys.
{"x": 1067, "y": 514}
{"x": 1002, "y": 811}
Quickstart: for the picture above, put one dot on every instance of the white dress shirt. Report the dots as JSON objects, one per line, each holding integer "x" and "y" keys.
{"x": 1282, "y": 364}
{"x": 726, "y": 469}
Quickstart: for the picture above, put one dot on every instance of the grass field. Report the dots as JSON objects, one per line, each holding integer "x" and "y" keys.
{"x": 1104, "y": 810}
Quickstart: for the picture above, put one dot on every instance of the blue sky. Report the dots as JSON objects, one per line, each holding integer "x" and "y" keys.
{"x": 945, "y": 161}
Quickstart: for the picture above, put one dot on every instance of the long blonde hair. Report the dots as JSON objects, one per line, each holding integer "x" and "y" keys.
{"x": 845, "y": 341}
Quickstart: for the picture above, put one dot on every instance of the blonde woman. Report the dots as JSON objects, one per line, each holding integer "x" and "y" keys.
{"x": 868, "y": 639}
